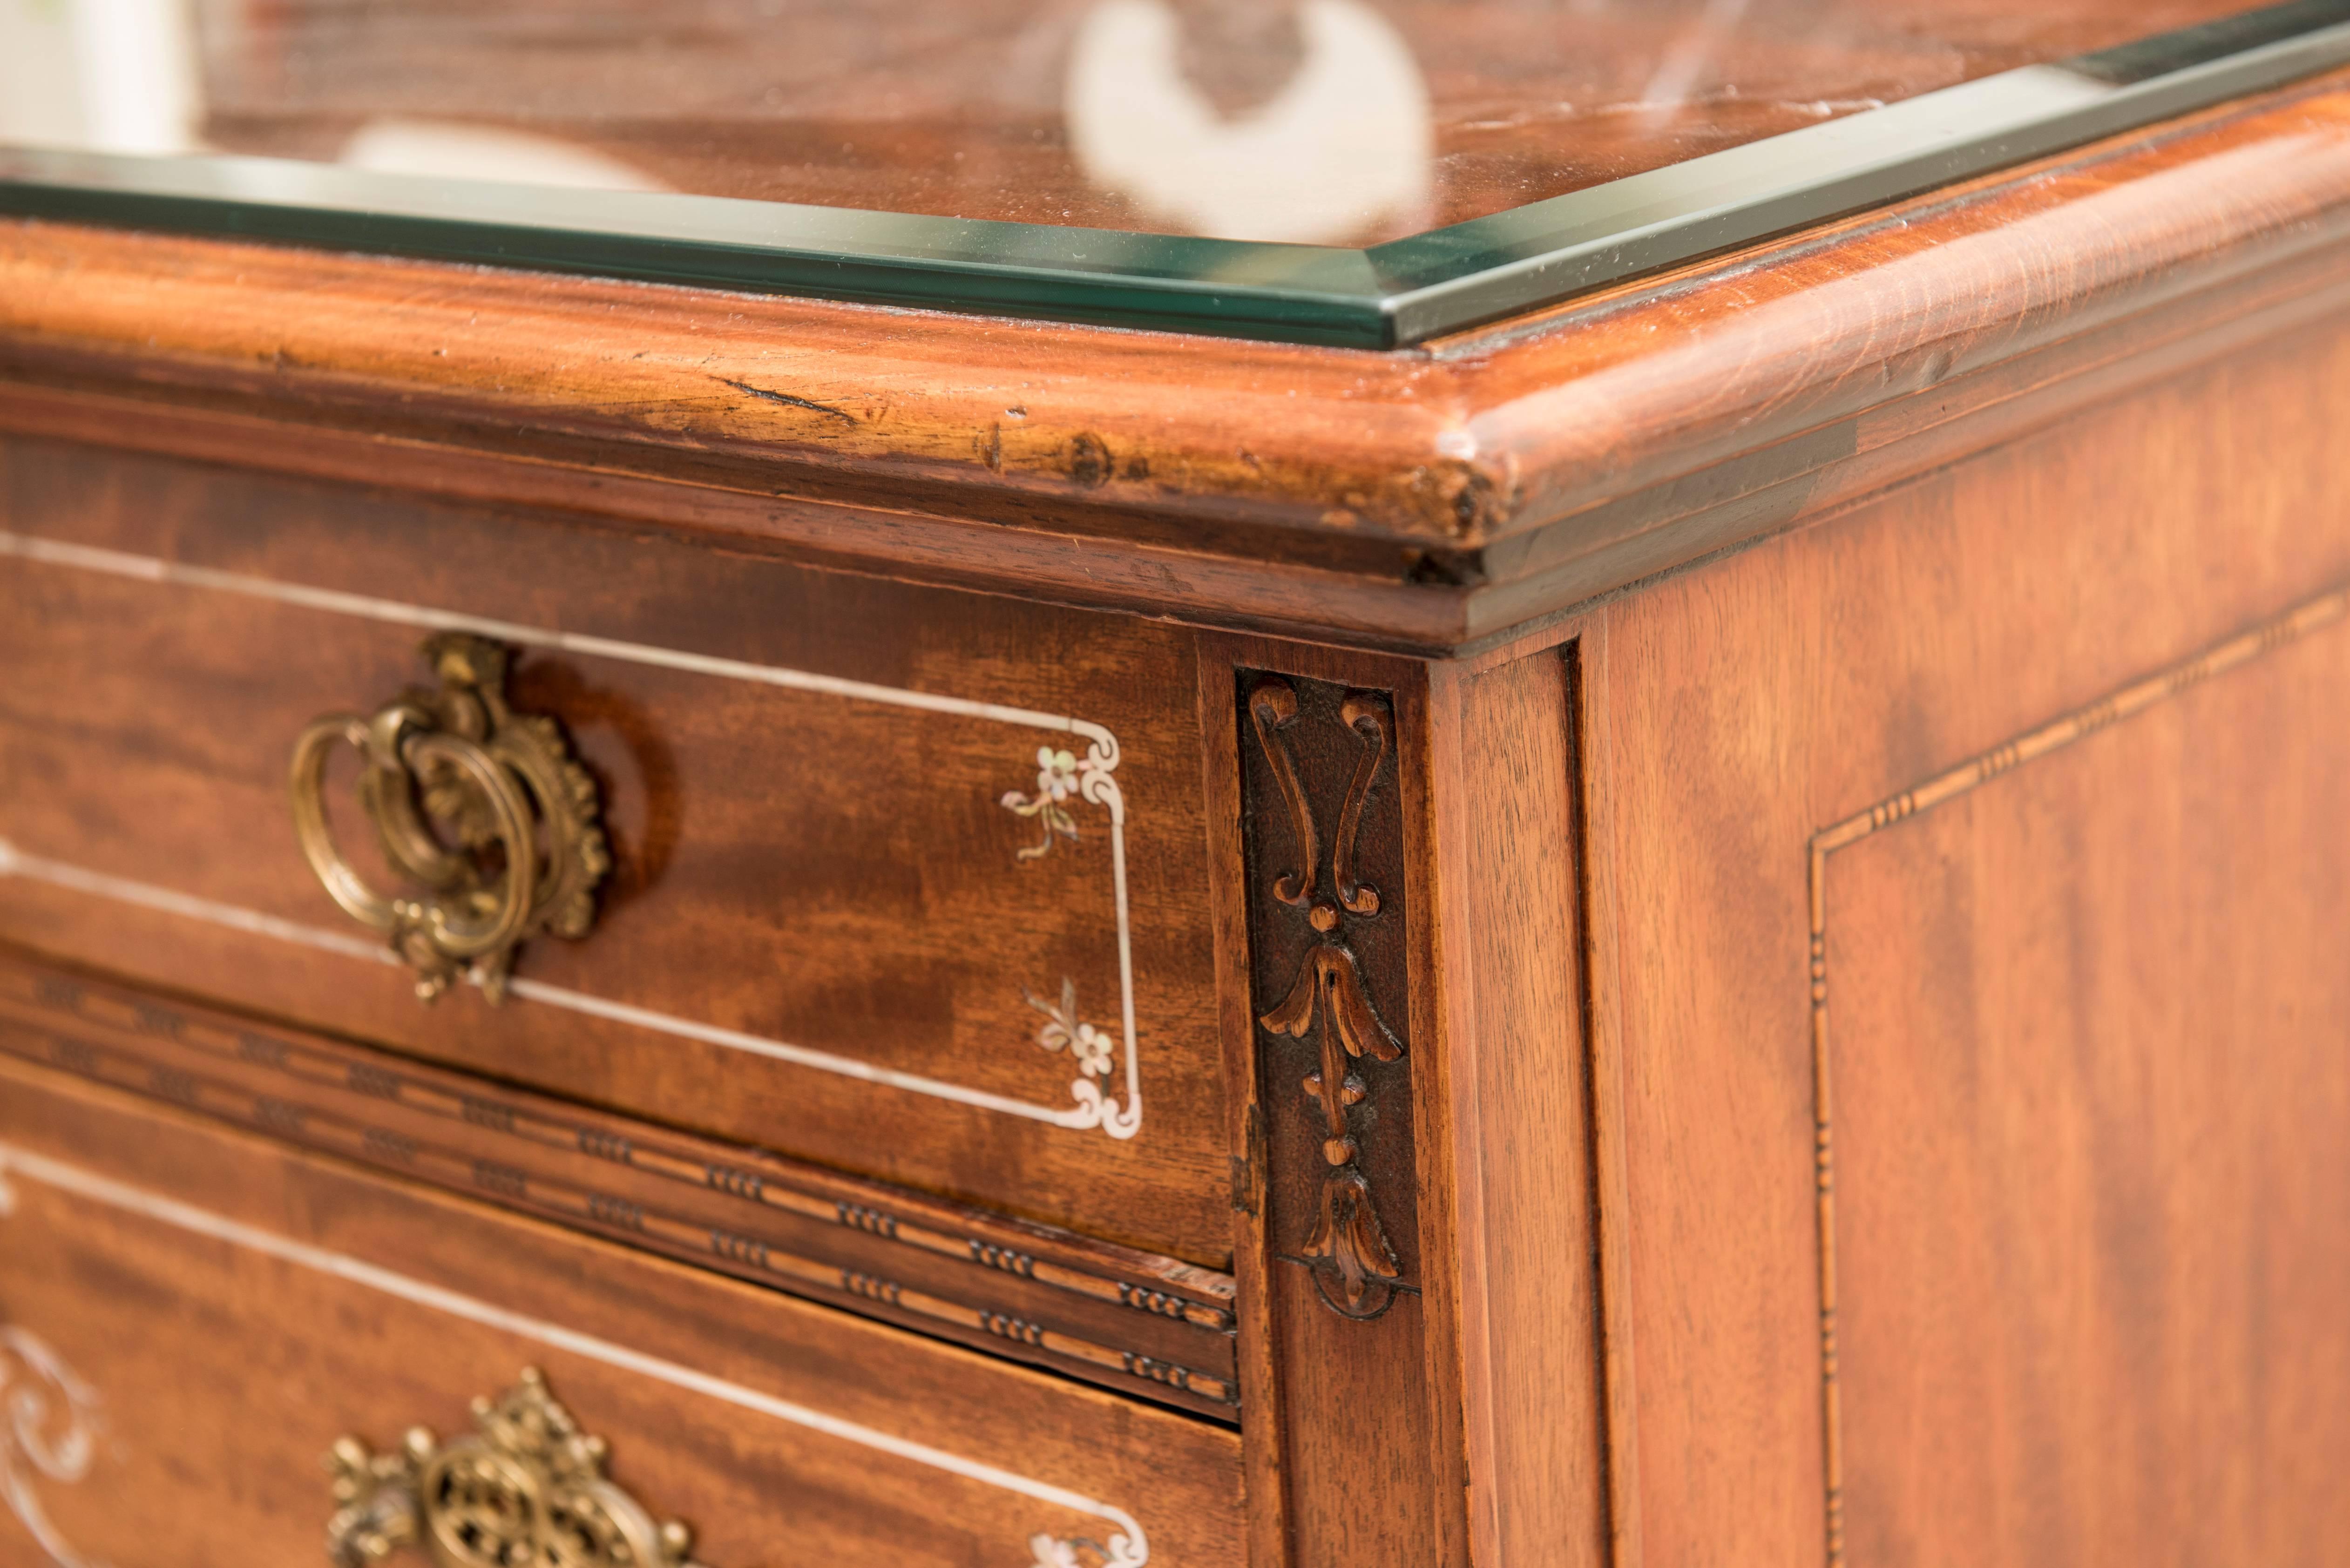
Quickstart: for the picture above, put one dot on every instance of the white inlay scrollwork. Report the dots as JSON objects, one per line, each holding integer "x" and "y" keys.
{"x": 1063, "y": 776}
{"x": 1127, "y": 1546}
{"x": 1088, "y": 778}
{"x": 52, "y": 1427}
{"x": 1120, "y": 1552}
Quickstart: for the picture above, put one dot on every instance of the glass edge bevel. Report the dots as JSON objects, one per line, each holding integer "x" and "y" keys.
{"x": 1389, "y": 296}
{"x": 1547, "y": 253}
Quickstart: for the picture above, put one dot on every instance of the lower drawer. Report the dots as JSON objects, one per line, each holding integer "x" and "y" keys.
{"x": 191, "y": 1319}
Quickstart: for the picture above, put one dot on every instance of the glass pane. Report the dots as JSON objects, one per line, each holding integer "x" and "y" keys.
{"x": 1328, "y": 123}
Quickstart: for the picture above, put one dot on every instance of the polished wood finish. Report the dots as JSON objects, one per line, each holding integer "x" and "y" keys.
{"x": 2082, "y": 1068}
{"x": 1852, "y": 782}
{"x": 810, "y": 868}
{"x": 1429, "y": 500}
{"x": 225, "y": 1371}
{"x": 1368, "y": 1407}
{"x": 1506, "y": 786}
{"x": 1145, "y": 1324}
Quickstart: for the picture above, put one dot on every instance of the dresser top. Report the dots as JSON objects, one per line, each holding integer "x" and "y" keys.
{"x": 1360, "y": 173}
{"x": 1442, "y": 497}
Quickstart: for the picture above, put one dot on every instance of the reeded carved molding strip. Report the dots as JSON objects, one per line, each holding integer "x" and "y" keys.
{"x": 1127, "y": 1537}
{"x": 2325, "y": 610}
{"x": 297, "y": 1113}
{"x": 1354, "y": 1266}
{"x": 1096, "y": 1105}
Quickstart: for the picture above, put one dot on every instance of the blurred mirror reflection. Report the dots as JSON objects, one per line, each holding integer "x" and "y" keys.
{"x": 1320, "y": 122}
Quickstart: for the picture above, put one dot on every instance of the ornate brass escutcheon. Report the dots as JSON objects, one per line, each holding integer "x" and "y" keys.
{"x": 485, "y": 807}
{"x": 525, "y": 1490}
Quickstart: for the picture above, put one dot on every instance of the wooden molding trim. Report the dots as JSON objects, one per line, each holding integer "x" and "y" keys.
{"x": 1144, "y": 1326}
{"x": 2322, "y": 612}
{"x": 1426, "y": 499}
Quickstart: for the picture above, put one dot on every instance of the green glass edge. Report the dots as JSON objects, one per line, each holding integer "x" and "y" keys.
{"x": 1389, "y": 296}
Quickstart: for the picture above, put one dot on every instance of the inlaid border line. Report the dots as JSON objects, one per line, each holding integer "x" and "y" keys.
{"x": 15, "y": 862}
{"x": 2326, "y": 609}
{"x": 97, "y": 1188}
{"x": 1118, "y": 1123}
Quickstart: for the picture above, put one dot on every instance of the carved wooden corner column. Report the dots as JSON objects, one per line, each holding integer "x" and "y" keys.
{"x": 1307, "y": 921}
{"x": 1328, "y": 1178}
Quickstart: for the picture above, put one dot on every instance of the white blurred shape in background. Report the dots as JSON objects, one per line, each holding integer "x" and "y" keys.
{"x": 1343, "y": 148}
{"x": 112, "y": 76}
{"x": 455, "y": 152}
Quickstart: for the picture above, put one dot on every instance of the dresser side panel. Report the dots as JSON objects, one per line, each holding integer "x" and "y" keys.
{"x": 1804, "y": 689}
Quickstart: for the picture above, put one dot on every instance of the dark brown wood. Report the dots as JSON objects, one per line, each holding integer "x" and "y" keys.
{"x": 1146, "y": 1325}
{"x": 810, "y": 868}
{"x": 223, "y": 1370}
{"x": 1328, "y": 929}
{"x": 1432, "y": 500}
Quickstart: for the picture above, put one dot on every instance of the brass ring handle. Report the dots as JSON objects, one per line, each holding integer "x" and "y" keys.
{"x": 456, "y": 933}
{"x": 485, "y": 809}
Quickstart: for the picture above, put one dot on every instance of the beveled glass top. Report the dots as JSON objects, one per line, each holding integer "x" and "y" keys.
{"x": 1359, "y": 171}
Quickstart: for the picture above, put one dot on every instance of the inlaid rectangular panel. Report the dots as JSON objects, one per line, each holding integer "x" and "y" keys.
{"x": 2085, "y": 1130}
{"x": 904, "y": 881}
{"x": 190, "y": 1319}
{"x": 2083, "y": 1087}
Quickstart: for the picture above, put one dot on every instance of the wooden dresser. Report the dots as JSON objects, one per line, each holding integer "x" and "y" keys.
{"x": 1680, "y": 896}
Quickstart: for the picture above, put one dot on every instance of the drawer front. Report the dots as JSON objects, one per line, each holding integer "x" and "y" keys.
{"x": 1133, "y": 1322}
{"x": 847, "y": 915}
{"x": 191, "y": 1319}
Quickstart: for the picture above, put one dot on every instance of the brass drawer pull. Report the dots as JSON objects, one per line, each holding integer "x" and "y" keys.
{"x": 528, "y": 1488}
{"x": 457, "y": 764}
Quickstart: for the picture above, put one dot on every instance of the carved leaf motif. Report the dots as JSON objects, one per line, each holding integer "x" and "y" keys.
{"x": 1328, "y": 999}
{"x": 1348, "y": 1240}
{"x": 1329, "y": 974}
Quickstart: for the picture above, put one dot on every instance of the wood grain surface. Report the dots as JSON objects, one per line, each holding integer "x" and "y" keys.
{"x": 2088, "y": 1099}
{"x": 1430, "y": 499}
{"x": 1355, "y": 1441}
{"x": 224, "y": 1366}
{"x": 804, "y": 867}
{"x": 1507, "y": 791}
{"x": 2089, "y": 1115}
{"x": 1142, "y": 1325}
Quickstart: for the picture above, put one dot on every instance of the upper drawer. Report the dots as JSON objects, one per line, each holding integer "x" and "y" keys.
{"x": 837, "y": 921}
{"x": 189, "y": 1318}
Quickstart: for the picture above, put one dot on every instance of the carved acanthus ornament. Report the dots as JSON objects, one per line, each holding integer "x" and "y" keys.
{"x": 1354, "y": 1266}
{"x": 527, "y": 1487}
